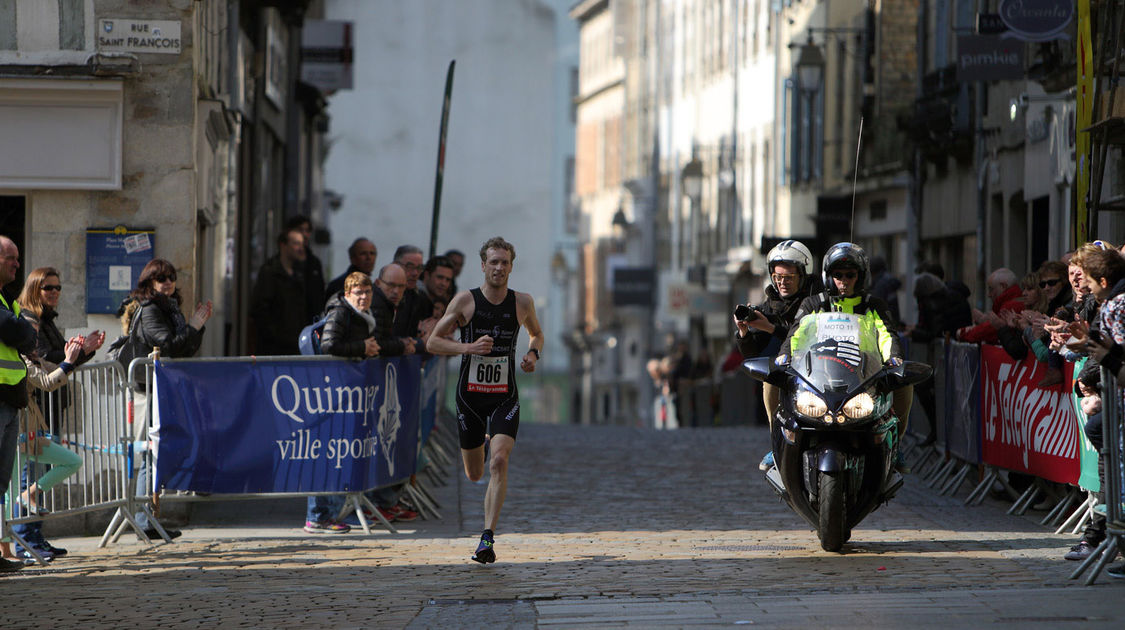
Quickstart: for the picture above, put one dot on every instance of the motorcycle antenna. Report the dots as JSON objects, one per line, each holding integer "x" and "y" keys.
{"x": 855, "y": 175}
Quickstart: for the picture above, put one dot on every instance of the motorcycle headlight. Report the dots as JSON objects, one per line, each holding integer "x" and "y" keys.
{"x": 859, "y": 406}
{"x": 811, "y": 405}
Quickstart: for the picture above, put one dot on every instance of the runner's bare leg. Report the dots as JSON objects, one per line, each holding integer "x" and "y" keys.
{"x": 501, "y": 448}
{"x": 473, "y": 458}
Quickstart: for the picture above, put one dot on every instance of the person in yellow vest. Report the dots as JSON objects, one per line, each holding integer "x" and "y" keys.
{"x": 16, "y": 336}
{"x": 847, "y": 278}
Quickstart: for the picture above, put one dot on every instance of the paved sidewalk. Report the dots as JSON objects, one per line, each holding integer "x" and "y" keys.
{"x": 603, "y": 527}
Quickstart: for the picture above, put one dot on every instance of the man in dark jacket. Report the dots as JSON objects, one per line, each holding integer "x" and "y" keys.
{"x": 940, "y": 311}
{"x": 16, "y": 336}
{"x": 361, "y": 256}
{"x": 277, "y": 304}
{"x": 311, "y": 269}
{"x": 386, "y": 305}
{"x": 885, "y": 286}
{"x": 415, "y": 306}
{"x": 764, "y": 327}
{"x": 389, "y": 288}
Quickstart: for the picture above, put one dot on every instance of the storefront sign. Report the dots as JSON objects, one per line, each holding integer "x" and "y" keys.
{"x": 989, "y": 58}
{"x": 326, "y": 54}
{"x": 139, "y": 36}
{"x": 990, "y": 24}
{"x": 114, "y": 260}
{"x": 692, "y": 299}
{"x": 1036, "y": 20}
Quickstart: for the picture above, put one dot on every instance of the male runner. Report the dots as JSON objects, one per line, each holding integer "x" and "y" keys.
{"x": 487, "y": 401}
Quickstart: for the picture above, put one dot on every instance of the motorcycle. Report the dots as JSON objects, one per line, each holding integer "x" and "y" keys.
{"x": 835, "y": 435}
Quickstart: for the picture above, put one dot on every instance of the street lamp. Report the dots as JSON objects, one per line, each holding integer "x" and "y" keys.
{"x": 620, "y": 225}
{"x": 810, "y": 66}
{"x": 692, "y": 179}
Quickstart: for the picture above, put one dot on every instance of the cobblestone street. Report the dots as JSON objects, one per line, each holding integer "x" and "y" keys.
{"x": 603, "y": 527}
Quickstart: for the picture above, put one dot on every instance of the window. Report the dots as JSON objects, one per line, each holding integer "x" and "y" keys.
{"x": 786, "y": 120}
{"x": 806, "y": 130}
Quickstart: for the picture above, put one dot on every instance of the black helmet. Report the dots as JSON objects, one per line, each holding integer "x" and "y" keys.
{"x": 793, "y": 253}
{"x": 846, "y": 255}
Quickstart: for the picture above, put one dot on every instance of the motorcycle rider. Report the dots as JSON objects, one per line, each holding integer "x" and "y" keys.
{"x": 762, "y": 328}
{"x": 846, "y": 274}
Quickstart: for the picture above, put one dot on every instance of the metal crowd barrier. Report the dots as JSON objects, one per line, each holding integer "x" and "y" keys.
{"x": 86, "y": 417}
{"x": 1113, "y": 458}
{"x": 740, "y": 400}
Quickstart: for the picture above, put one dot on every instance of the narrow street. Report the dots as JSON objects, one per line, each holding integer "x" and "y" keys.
{"x": 603, "y": 527}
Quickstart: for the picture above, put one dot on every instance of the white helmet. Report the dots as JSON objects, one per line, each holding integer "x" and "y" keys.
{"x": 793, "y": 253}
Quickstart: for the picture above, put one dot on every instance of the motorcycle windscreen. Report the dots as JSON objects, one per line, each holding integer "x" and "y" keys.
{"x": 836, "y": 352}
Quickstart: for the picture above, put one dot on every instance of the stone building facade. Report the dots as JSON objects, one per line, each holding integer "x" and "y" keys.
{"x": 147, "y": 116}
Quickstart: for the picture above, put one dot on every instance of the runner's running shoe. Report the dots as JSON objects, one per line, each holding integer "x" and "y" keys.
{"x": 485, "y": 553}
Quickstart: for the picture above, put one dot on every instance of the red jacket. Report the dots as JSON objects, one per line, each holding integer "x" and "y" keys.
{"x": 1010, "y": 300}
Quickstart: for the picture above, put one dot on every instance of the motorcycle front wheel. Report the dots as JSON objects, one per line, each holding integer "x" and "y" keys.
{"x": 832, "y": 511}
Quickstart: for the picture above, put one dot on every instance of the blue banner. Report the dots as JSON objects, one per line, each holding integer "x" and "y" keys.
{"x": 267, "y": 426}
{"x": 962, "y": 401}
{"x": 431, "y": 381}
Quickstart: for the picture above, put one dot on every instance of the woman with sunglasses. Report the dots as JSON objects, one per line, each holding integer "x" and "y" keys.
{"x": 39, "y": 304}
{"x": 846, "y": 274}
{"x": 1054, "y": 285}
{"x": 155, "y": 305}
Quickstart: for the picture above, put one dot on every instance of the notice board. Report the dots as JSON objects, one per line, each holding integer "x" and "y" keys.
{"x": 114, "y": 259}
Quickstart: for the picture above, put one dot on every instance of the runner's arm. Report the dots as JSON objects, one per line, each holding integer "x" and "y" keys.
{"x": 525, "y": 307}
{"x": 439, "y": 343}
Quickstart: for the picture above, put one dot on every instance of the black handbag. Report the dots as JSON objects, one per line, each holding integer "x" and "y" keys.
{"x": 126, "y": 348}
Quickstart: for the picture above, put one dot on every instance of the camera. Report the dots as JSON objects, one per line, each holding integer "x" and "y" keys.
{"x": 744, "y": 313}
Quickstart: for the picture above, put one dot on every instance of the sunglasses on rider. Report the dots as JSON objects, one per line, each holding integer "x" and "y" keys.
{"x": 164, "y": 278}
{"x": 51, "y": 287}
{"x": 784, "y": 277}
{"x": 845, "y": 275}
{"x": 1043, "y": 284}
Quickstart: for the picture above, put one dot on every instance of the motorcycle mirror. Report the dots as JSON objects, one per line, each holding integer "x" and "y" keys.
{"x": 766, "y": 370}
{"x": 758, "y": 368}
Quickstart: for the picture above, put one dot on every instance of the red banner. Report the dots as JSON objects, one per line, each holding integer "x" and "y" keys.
{"x": 1025, "y": 427}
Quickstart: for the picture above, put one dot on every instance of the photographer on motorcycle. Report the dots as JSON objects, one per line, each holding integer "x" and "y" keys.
{"x": 847, "y": 278}
{"x": 762, "y": 328}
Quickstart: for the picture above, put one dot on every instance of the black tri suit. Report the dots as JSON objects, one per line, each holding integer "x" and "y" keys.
{"x": 487, "y": 399}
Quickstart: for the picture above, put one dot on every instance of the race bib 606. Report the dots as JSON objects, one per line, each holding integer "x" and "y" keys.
{"x": 488, "y": 375}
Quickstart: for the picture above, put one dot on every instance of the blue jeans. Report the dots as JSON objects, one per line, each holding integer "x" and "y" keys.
{"x": 324, "y": 508}
{"x": 31, "y": 532}
{"x": 9, "y": 433}
{"x": 388, "y": 497}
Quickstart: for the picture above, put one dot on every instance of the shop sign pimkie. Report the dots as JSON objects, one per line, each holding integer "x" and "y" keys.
{"x": 1036, "y": 20}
